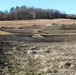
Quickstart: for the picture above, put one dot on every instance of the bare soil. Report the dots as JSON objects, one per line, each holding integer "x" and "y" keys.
{"x": 38, "y": 47}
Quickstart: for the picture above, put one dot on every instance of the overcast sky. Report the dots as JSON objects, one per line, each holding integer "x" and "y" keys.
{"x": 68, "y": 6}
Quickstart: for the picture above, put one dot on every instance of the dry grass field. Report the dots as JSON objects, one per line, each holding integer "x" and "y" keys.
{"x": 35, "y": 22}
{"x": 4, "y": 33}
{"x": 38, "y": 47}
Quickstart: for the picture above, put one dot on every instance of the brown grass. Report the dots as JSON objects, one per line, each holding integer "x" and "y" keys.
{"x": 4, "y": 33}
{"x": 36, "y": 22}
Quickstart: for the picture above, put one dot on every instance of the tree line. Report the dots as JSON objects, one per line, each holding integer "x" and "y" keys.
{"x": 28, "y": 13}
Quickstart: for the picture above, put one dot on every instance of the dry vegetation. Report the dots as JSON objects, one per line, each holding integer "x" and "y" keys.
{"x": 35, "y": 22}
{"x": 4, "y": 33}
{"x": 38, "y": 47}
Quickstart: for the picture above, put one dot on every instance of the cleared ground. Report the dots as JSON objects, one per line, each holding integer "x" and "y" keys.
{"x": 38, "y": 47}
{"x": 35, "y": 22}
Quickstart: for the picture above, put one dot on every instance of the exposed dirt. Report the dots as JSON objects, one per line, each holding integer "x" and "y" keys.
{"x": 37, "y": 49}
{"x": 37, "y": 58}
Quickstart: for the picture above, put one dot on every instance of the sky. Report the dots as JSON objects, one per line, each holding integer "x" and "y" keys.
{"x": 66, "y": 6}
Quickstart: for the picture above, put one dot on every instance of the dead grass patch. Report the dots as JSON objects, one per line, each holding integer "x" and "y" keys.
{"x": 4, "y": 33}
{"x": 36, "y": 22}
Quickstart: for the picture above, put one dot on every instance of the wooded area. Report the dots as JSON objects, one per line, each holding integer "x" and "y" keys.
{"x": 27, "y": 13}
